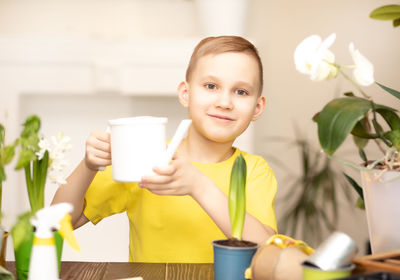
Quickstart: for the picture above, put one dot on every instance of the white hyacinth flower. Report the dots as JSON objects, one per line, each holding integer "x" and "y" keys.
{"x": 363, "y": 73}
{"x": 44, "y": 146}
{"x": 312, "y": 57}
{"x": 56, "y": 148}
{"x": 57, "y": 154}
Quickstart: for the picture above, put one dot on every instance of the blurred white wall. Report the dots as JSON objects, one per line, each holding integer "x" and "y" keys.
{"x": 276, "y": 27}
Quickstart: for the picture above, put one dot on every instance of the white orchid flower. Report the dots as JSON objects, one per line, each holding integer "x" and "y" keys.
{"x": 363, "y": 73}
{"x": 313, "y": 58}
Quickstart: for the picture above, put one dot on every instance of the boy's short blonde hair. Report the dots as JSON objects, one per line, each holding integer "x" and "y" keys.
{"x": 223, "y": 44}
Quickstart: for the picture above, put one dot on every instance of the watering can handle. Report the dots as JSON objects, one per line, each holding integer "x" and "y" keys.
{"x": 175, "y": 141}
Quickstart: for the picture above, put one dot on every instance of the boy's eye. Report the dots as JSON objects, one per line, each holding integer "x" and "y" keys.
{"x": 241, "y": 92}
{"x": 210, "y": 86}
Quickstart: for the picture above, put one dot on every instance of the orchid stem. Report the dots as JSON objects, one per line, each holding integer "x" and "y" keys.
{"x": 354, "y": 84}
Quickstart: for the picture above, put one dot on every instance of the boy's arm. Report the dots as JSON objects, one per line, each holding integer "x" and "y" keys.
{"x": 98, "y": 153}
{"x": 182, "y": 178}
{"x": 217, "y": 208}
{"x": 74, "y": 192}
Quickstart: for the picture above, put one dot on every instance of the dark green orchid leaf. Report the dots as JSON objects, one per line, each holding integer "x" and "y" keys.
{"x": 337, "y": 119}
{"x": 394, "y": 137}
{"x": 360, "y": 142}
{"x": 390, "y": 117}
{"x": 349, "y": 93}
{"x": 362, "y": 154}
{"x": 387, "y": 12}
{"x": 396, "y": 22}
{"x": 355, "y": 185}
{"x": 359, "y": 131}
{"x": 315, "y": 117}
{"x": 390, "y": 90}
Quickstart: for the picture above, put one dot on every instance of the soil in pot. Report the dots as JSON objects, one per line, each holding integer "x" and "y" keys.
{"x": 235, "y": 243}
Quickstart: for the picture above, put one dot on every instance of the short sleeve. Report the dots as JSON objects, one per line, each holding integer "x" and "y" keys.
{"x": 261, "y": 191}
{"x": 105, "y": 197}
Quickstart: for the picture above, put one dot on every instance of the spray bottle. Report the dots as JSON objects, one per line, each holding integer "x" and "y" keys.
{"x": 43, "y": 262}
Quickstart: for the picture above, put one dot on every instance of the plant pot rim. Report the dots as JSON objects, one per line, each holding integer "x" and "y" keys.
{"x": 214, "y": 243}
{"x": 378, "y": 175}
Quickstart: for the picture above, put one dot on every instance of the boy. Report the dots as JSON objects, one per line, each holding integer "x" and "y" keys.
{"x": 175, "y": 214}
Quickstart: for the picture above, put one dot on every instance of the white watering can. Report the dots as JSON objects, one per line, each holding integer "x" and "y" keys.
{"x": 138, "y": 144}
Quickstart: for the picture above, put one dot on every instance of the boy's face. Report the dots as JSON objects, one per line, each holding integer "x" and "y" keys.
{"x": 223, "y": 95}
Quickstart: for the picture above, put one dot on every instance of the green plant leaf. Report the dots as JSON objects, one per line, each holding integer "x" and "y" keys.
{"x": 360, "y": 142}
{"x": 22, "y": 230}
{"x": 340, "y": 117}
{"x": 237, "y": 196}
{"x": 8, "y": 154}
{"x": 41, "y": 181}
{"x": 394, "y": 137}
{"x": 349, "y": 93}
{"x": 362, "y": 154}
{"x": 396, "y": 22}
{"x": 355, "y": 186}
{"x": 359, "y": 131}
{"x": 25, "y": 157}
{"x": 2, "y": 174}
{"x": 390, "y": 90}
{"x": 360, "y": 203}
{"x": 337, "y": 119}
{"x": 387, "y": 12}
{"x": 390, "y": 117}
{"x": 2, "y": 133}
{"x": 31, "y": 126}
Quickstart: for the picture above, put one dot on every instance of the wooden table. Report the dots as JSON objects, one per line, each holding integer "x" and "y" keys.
{"x": 118, "y": 270}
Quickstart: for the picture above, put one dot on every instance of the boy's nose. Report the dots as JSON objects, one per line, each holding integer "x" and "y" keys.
{"x": 224, "y": 100}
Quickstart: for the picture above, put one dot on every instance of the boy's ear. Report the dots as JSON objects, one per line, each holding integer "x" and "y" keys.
{"x": 261, "y": 102}
{"x": 183, "y": 94}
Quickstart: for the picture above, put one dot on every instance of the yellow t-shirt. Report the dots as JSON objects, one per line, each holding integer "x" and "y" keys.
{"x": 176, "y": 228}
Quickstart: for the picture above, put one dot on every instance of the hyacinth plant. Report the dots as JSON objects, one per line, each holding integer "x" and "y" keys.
{"x": 355, "y": 114}
{"x": 237, "y": 197}
{"x": 41, "y": 160}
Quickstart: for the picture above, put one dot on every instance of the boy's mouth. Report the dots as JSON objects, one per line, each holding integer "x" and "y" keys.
{"x": 220, "y": 117}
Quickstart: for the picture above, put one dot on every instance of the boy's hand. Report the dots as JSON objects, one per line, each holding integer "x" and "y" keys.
{"x": 98, "y": 150}
{"x": 180, "y": 177}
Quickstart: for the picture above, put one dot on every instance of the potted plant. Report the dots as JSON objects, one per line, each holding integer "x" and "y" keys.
{"x": 40, "y": 159}
{"x": 357, "y": 114}
{"x": 313, "y": 195}
{"x": 233, "y": 256}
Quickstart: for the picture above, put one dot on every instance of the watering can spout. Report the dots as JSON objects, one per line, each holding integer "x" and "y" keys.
{"x": 175, "y": 141}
